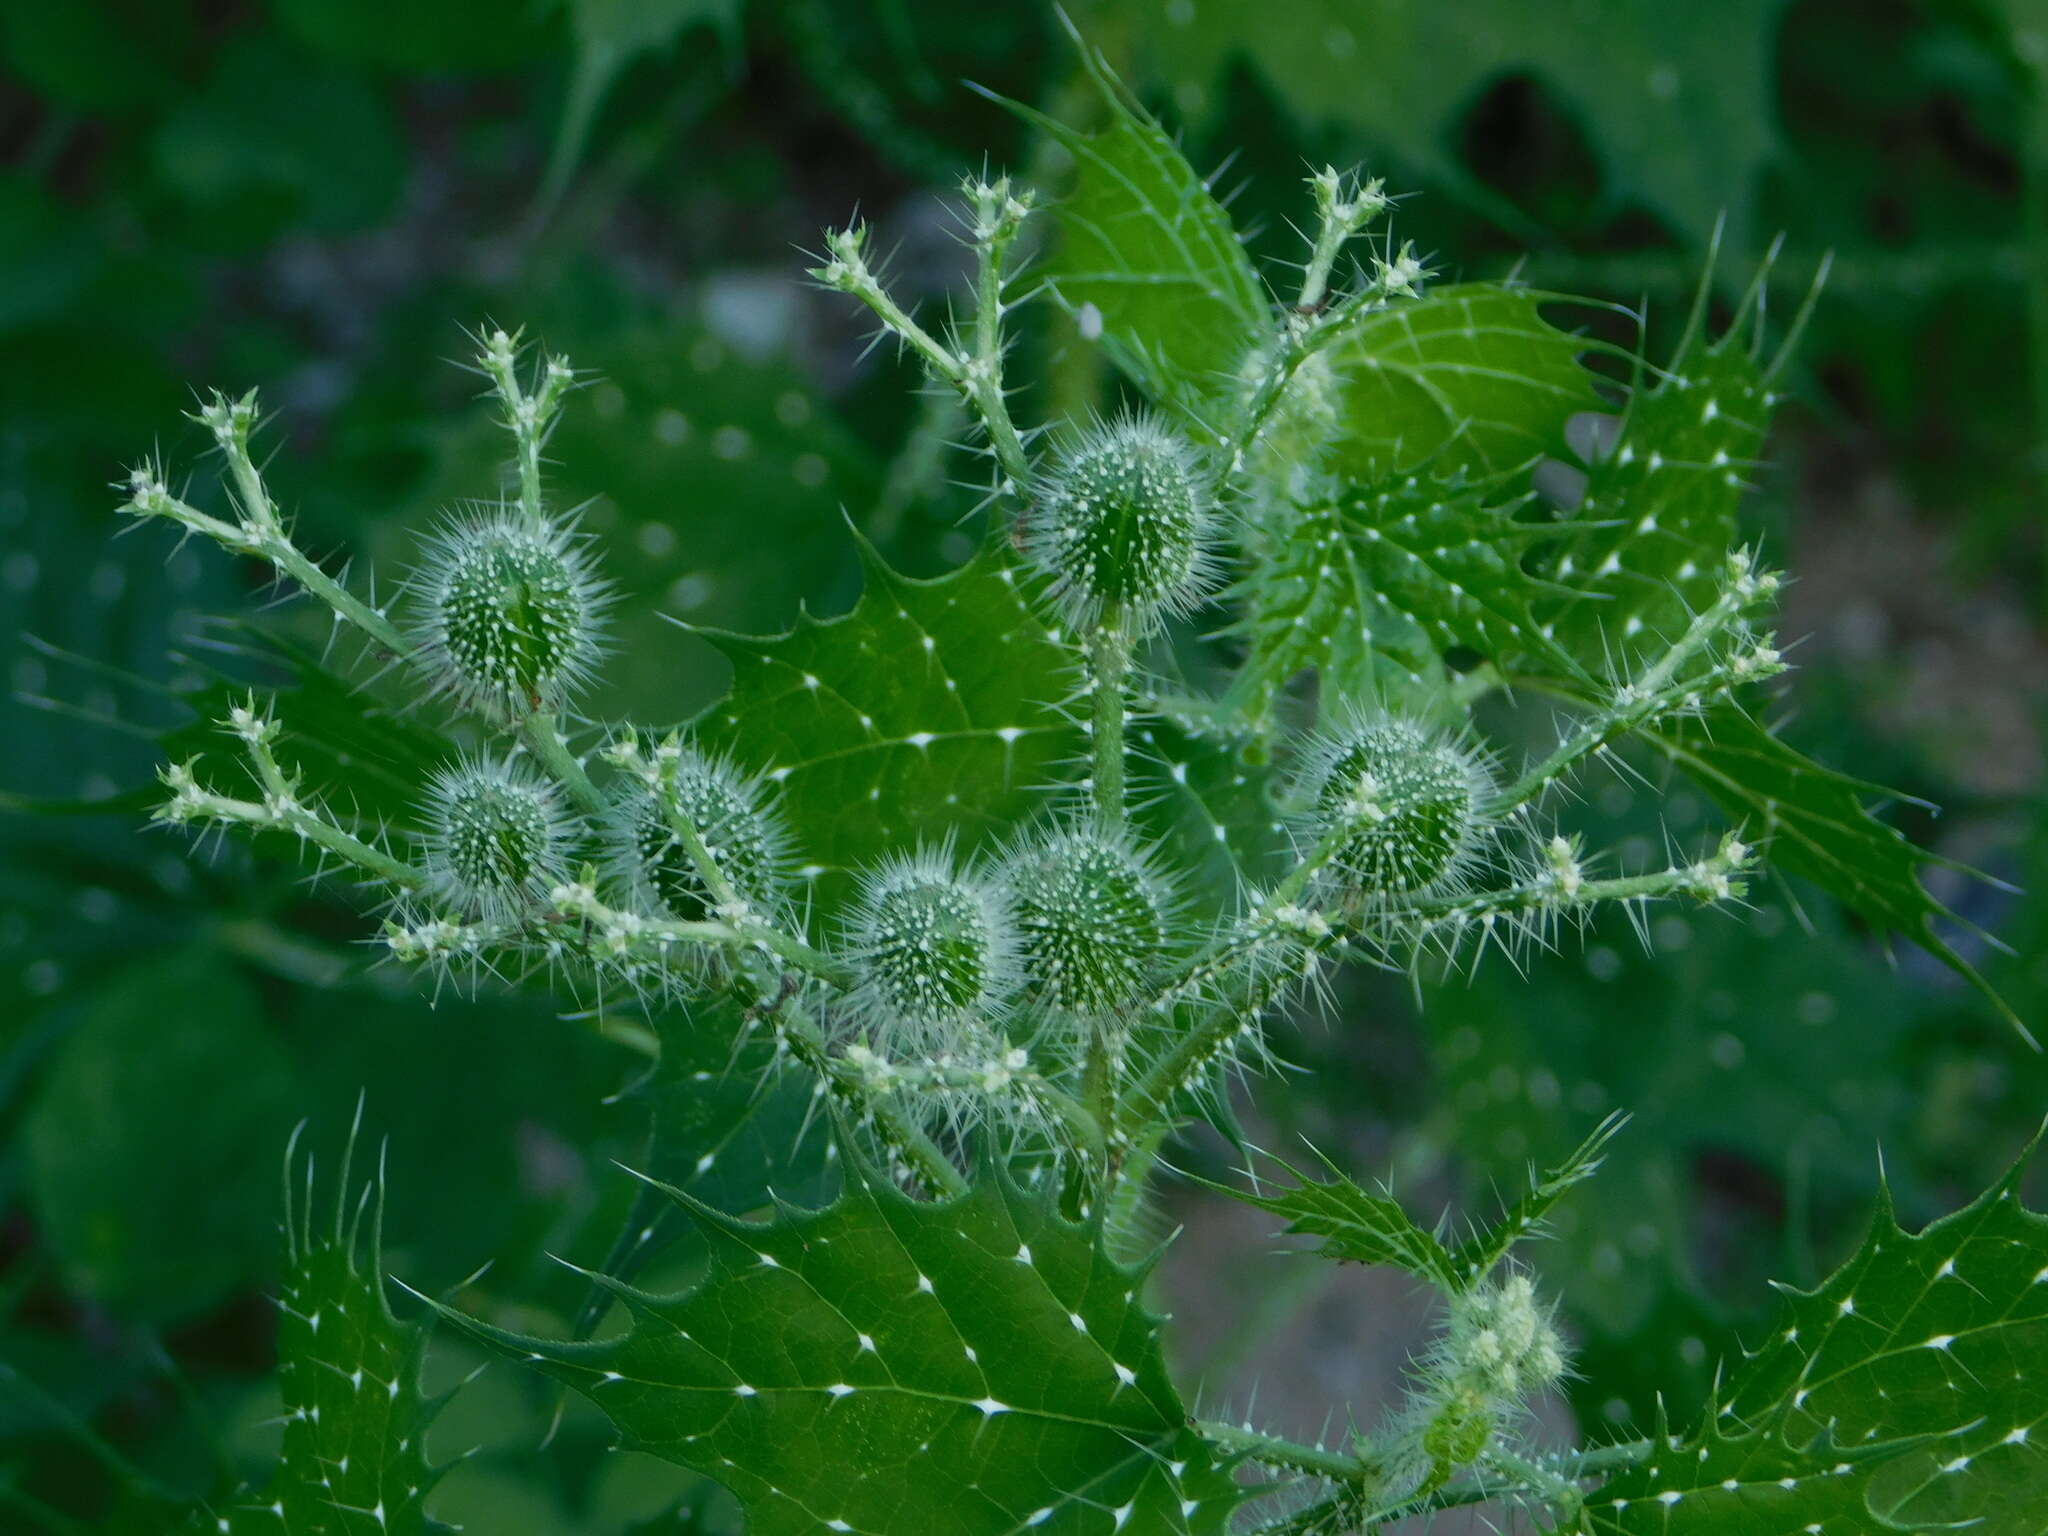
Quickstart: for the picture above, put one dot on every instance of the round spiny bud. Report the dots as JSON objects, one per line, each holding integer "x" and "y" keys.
{"x": 1406, "y": 805}
{"x": 1091, "y": 916}
{"x": 507, "y": 614}
{"x": 1122, "y": 523}
{"x": 497, "y": 841}
{"x": 933, "y": 952}
{"x": 731, "y": 816}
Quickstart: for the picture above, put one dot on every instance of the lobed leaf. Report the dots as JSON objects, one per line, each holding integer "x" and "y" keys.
{"x": 723, "y": 1123}
{"x": 1661, "y": 499}
{"x": 1904, "y": 1393}
{"x": 891, "y": 1366}
{"x": 1372, "y": 586}
{"x": 1650, "y": 84}
{"x": 1468, "y": 377}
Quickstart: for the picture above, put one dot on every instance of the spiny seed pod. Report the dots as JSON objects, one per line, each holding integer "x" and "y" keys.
{"x": 1122, "y": 524}
{"x": 1407, "y": 804}
{"x": 497, "y": 840}
{"x": 1091, "y": 915}
{"x": 730, "y": 814}
{"x": 933, "y": 951}
{"x": 506, "y": 615}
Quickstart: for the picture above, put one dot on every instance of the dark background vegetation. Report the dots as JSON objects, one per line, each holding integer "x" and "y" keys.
{"x": 315, "y": 195}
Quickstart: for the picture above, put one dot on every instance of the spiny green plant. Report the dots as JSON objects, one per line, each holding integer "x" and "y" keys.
{"x": 974, "y": 870}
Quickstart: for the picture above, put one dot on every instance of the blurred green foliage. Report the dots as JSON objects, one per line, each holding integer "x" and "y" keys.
{"x": 316, "y": 194}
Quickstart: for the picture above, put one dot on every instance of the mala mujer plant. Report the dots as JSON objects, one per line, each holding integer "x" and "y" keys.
{"x": 956, "y": 907}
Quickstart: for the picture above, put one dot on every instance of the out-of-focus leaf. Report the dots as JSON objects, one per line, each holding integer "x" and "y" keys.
{"x": 609, "y": 35}
{"x": 145, "y": 1139}
{"x": 1653, "y": 85}
{"x": 894, "y": 1366}
{"x": 447, "y": 37}
{"x": 103, "y": 55}
{"x": 252, "y": 150}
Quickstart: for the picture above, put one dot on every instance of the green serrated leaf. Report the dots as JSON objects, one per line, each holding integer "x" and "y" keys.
{"x": 1661, "y": 500}
{"x": 1525, "y": 1218}
{"x": 1391, "y": 575}
{"x": 1817, "y": 826}
{"x": 1468, "y": 377}
{"x": 1146, "y": 247}
{"x": 1355, "y": 1224}
{"x": 1904, "y": 1393}
{"x": 355, "y": 1419}
{"x": 890, "y": 1366}
{"x": 931, "y": 710}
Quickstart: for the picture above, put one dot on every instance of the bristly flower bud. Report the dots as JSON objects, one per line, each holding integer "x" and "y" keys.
{"x": 934, "y": 952}
{"x": 730, "y": 812}
{"x": 507, "y": 615}
{"x": 1499, "y": 1346}
{"x": 1091, "y": 914}
{"x": 497, "y": 840}
{"x": 1123, "y": 523}
{"x": 1405, "y": 806}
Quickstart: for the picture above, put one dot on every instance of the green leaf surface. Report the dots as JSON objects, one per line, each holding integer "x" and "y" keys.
{"x": 890, "y": 1366}
{"x": 1816, "y": 824}
{"x": 1149, "y": 257}
{"x": 138, "y": 1190}
{"x": 931, "y": 710}
{"x": 1661, "y": 500}
{"x": 1904, "y": 1393}
{"x": 1469, "y": 376}
{"x": 354, "y": 1458}
{"x": 1393, "y": 575}
{"x": 1356, "y": 1225}
{"x": 1197, "y": 794}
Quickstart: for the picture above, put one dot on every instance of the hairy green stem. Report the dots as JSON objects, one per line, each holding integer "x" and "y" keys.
{"x": 1109, "y": 660}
